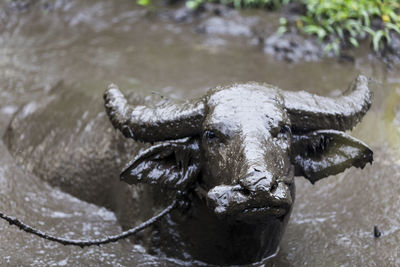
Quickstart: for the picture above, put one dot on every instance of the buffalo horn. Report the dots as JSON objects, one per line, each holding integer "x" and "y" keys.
{"x": 164, "y": 122}
{"x": 310, "y": 112}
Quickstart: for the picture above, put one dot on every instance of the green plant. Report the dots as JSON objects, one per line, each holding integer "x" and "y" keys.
{"x": 346, "y": 21}
{"x": 143, "y": 2}
{"x": 335, "y": 22}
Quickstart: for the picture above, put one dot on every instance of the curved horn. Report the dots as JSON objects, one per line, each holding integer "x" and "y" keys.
{"x": 168, "y": 121}
{"x": 309, "y": 112}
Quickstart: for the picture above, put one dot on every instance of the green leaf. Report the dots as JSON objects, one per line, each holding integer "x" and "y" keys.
{"x": 353, "y": 41}
{"x": 376, "y": 40}
{"x": 143, "y": 2}
{"x": 340, "y": 32}
{"x": 192, "y": 4}
{"x": 369, "y": 30}
{"x": 237, "y": 3}
{"x": 313, "y": 29}
{"x": 336, "y": 48}
{"x": 328, "y": 48}
{"x": 393, "y": 27}
{"x": 281, "y": 30}
{"x": 387, "y": 35}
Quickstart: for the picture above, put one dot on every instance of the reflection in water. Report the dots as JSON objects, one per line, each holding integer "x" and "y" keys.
{"x": 88, "y": 44}
{"x": 392, "y": 120}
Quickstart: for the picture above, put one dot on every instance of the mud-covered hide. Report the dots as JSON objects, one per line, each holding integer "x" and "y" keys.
{"x": 322, "y": 153}
{"x": 234, "y": 152}
{"x": 253, "y": 138}
{"x": 65, "y": 138}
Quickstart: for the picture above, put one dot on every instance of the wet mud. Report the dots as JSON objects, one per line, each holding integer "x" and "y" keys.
{"x": 257, "y": 28}
{"x": 332, "y": 221}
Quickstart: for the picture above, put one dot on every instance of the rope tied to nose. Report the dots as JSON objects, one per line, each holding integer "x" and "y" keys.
{"x": 87, "y": 243}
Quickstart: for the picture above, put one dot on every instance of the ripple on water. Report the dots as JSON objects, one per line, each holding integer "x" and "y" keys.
{"x": 89, "y": 44}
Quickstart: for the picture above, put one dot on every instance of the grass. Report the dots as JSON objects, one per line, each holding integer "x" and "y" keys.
{"x": 337, "y": 23}
{"x": 341, "y": 22}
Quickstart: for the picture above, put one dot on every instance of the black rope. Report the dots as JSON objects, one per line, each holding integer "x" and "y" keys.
{"x": 86, "y": 243}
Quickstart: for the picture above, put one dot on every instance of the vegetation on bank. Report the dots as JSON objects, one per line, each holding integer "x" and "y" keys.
{"x": 341, "y": 22}
{"x": 338, "y": 23}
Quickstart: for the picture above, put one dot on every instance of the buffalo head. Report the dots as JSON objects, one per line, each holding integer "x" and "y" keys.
{"x": 240, "y": 146}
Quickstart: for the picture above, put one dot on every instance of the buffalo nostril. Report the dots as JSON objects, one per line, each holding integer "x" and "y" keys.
{"x": 257, "y": 181}
{"x": 282, "y": 195}
{"x": 274, "y": 186}
{"x": 245, "y": 191}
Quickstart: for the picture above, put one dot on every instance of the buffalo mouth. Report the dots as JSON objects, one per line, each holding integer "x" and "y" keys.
{"x": 264, "y": 211}
{"x": 233, "y": 203}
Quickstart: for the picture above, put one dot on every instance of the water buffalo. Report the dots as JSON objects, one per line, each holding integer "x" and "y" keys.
{"x": 234, "y": 152}
{"x": 243, "y": 144}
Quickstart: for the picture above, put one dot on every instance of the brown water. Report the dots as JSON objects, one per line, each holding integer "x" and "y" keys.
{"x": 89, "y": 44}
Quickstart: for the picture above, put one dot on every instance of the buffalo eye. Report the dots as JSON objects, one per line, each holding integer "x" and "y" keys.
{"x": 285, "y": 132}
{"x": 209, "y": 134}
{"x": 285, "y": 129}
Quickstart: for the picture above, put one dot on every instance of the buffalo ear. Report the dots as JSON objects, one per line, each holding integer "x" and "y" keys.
{"x": 327, "y": 152}
{"x": 172, "y": 164}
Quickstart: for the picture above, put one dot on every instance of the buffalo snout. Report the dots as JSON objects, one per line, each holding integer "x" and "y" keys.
{"x": 258, "y": 181}
{"x": 263, "y": 199}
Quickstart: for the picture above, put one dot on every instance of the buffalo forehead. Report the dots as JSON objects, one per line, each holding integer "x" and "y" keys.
{"x": 245, "y": 104}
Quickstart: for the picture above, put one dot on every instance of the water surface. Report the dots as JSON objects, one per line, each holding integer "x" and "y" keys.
{"x": 88, "y": 44}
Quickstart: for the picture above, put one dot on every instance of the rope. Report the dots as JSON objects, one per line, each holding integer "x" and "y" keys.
{"x": 87, "y": 243}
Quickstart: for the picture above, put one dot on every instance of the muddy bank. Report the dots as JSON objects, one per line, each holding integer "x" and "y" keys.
{"x": 259, "y": 28}
{"x": 220, "y": 24}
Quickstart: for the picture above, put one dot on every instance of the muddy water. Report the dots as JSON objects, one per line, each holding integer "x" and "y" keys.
{"x": 88, "y": 44}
